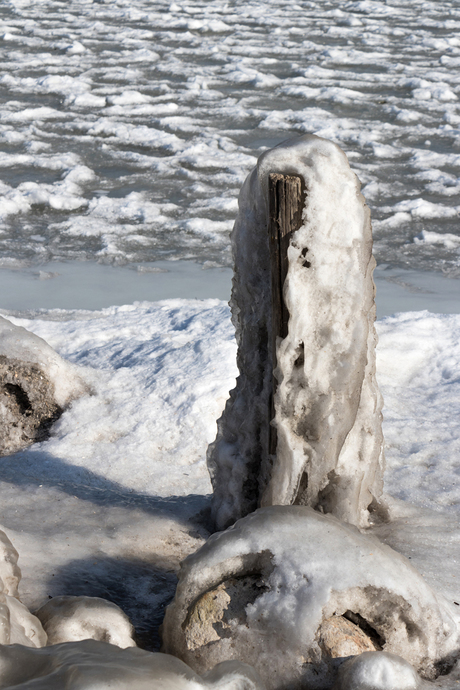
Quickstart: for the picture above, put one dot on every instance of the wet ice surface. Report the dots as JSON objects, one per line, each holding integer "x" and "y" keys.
{"x": 90, "y": 285}
{"x": 127, "y": 129}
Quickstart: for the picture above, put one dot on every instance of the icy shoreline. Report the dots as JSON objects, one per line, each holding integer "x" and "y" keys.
{"x": 90, "y": 286}
{"x": 110, "y": 504}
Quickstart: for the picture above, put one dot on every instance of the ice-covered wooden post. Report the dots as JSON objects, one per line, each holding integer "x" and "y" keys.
{"x": 285, "y": 206}
{"x": 326, "y": 406}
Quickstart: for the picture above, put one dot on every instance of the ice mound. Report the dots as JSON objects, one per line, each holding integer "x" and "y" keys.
{"x": 91, "y": 664}
{"x": 36, "y": 384}
{"x": 291, "y": 591}
{"x": 17, "y": 624}
{"x": 377, "y": 671}
{"x": 327, "y": 405}
{"x": 69, "y": 619}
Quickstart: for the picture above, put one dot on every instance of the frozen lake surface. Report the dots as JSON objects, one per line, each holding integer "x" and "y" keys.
{"x": 91, "y": 285}
{"x": 128, "y": 127}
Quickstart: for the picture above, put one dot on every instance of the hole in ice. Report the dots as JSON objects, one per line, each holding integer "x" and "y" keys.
{"x": 362, "y": 623}
{"x": 20, "y": 396}
{"x": 445, "y": 665}
{"x": 301, "y": 497}
{"x": 326, "y": 497}
{"x": 378, "y": 513}
{"x": 300, "y": 352}
{"x": 303, "y": 254}
{"x": 214, "y": 614}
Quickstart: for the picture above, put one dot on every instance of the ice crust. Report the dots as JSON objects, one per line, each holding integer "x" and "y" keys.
{"x": 311, "y": 567}
{"x": 90, "y": 664}
{"x": 69, "y": 619}
{"x": 17, "y": 624}
{"x": 377, "y": 671}
{"x": 327, "y": 403}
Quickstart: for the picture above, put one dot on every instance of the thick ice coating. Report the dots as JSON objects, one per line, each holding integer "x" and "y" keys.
{"x": 10, "y": 573}
{"x": 290, "y": 591}
{"x": 90, "y": 664}
{"x": 377, "y": 671}
{"x": 327, "y": 404}
{"x": 17, "y": 624}
{"x": 70, "y": 619}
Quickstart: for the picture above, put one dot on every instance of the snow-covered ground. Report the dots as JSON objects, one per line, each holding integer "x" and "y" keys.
{"x": 118, "y": 495}
{"x": 104, "y": 507}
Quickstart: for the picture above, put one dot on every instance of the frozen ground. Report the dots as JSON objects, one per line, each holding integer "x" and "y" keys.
{"x": 128, "y": 472}
{"x": 111, "y": 503}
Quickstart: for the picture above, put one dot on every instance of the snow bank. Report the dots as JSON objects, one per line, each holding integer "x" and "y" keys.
{"x": 327, "y": 404}
{"x": 290, "y": 575}
{"x": 160, "y": 373}
{"x": 186, "y": 349}
{"x": 90, "y": 664}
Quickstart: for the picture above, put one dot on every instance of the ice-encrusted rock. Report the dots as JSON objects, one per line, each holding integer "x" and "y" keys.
{"x": 327, "y": 403}
{"x": 339, "y": 637}
{"x": 215, "y": 614}
{"x": 90, "y": 664}
{"x": 17, "y": 624}
{"x": 10, "y": 573}
{"x": 36, "y": 384}
{"x": 289, "y": 590}
{"x": 69, "y": 619}
{"x": 377, "y": 671}
{"x": 27, "y": 405}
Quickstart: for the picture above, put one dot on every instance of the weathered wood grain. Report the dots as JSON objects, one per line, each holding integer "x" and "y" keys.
{"x": 286, "y": 200}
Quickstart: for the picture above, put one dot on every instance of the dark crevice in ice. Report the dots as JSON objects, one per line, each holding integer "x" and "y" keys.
{"x": 367, "y": 629}
{"x": 305, "y": 261}
{"x": 21, "y": 397}
{"x": 301, "y": 496}
{"x": 300, "y": 359}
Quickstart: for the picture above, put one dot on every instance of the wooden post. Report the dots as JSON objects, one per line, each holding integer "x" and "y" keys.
{"x": 286, "y": 195}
